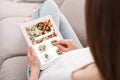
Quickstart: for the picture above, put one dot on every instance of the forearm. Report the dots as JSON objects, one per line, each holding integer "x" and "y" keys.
{"x": 34, "y": 74}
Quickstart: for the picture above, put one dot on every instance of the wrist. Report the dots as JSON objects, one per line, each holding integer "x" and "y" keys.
{"x": 35, "y": 73}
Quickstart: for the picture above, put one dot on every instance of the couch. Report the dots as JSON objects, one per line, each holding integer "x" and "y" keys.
{"x": 13, "y": 47}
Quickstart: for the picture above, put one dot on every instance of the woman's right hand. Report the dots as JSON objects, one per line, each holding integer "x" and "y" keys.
{"x": 66, "y": 45}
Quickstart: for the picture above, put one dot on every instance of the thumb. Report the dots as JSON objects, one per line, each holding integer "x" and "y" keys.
{"x": 62, "y": 48}
{"x": 32, "y": 51}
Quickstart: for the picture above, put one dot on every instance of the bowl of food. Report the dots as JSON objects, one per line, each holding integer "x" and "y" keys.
{"x": 42, "y": 47}
{"x": 53, "y": 42}
{"x": 59, "y": 52}
{"x": 47, "y": 28}
{"x": 47, "y": 57}
{"x": 39, "y": 40}
{"x": 40, "y": 26}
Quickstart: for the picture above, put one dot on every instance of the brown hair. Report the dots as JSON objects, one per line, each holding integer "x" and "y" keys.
{"x": 103, "y": 32}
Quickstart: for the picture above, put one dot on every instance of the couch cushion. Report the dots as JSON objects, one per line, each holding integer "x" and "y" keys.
{"x": 59, "y": 2}
{"x": 29, "y": 0}
{"x": 12, "y": 42}
{"x": 10, "y": 9}
{"x": 74, "y": 10}
{"x": 14, "y": 69}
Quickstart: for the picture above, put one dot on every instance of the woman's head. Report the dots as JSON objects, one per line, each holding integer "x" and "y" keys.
{"x": 103, "y": 31}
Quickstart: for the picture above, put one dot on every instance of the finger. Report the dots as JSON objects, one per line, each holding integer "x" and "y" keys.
{"x": 28, "y": 54}
{"x": 62, "y": 48}
{"x": 62, "y": 44}
{"x": 61, "y": 41}
{"x": 28, "y": 51}
{"x": 32, "y": 51}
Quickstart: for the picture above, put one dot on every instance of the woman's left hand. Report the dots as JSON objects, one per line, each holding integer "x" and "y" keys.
{"x": 33, "y": 61}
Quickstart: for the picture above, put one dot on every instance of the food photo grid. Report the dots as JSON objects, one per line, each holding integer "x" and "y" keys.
{"x": 47, "y": 50}
{"x": 42, "y": 34}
